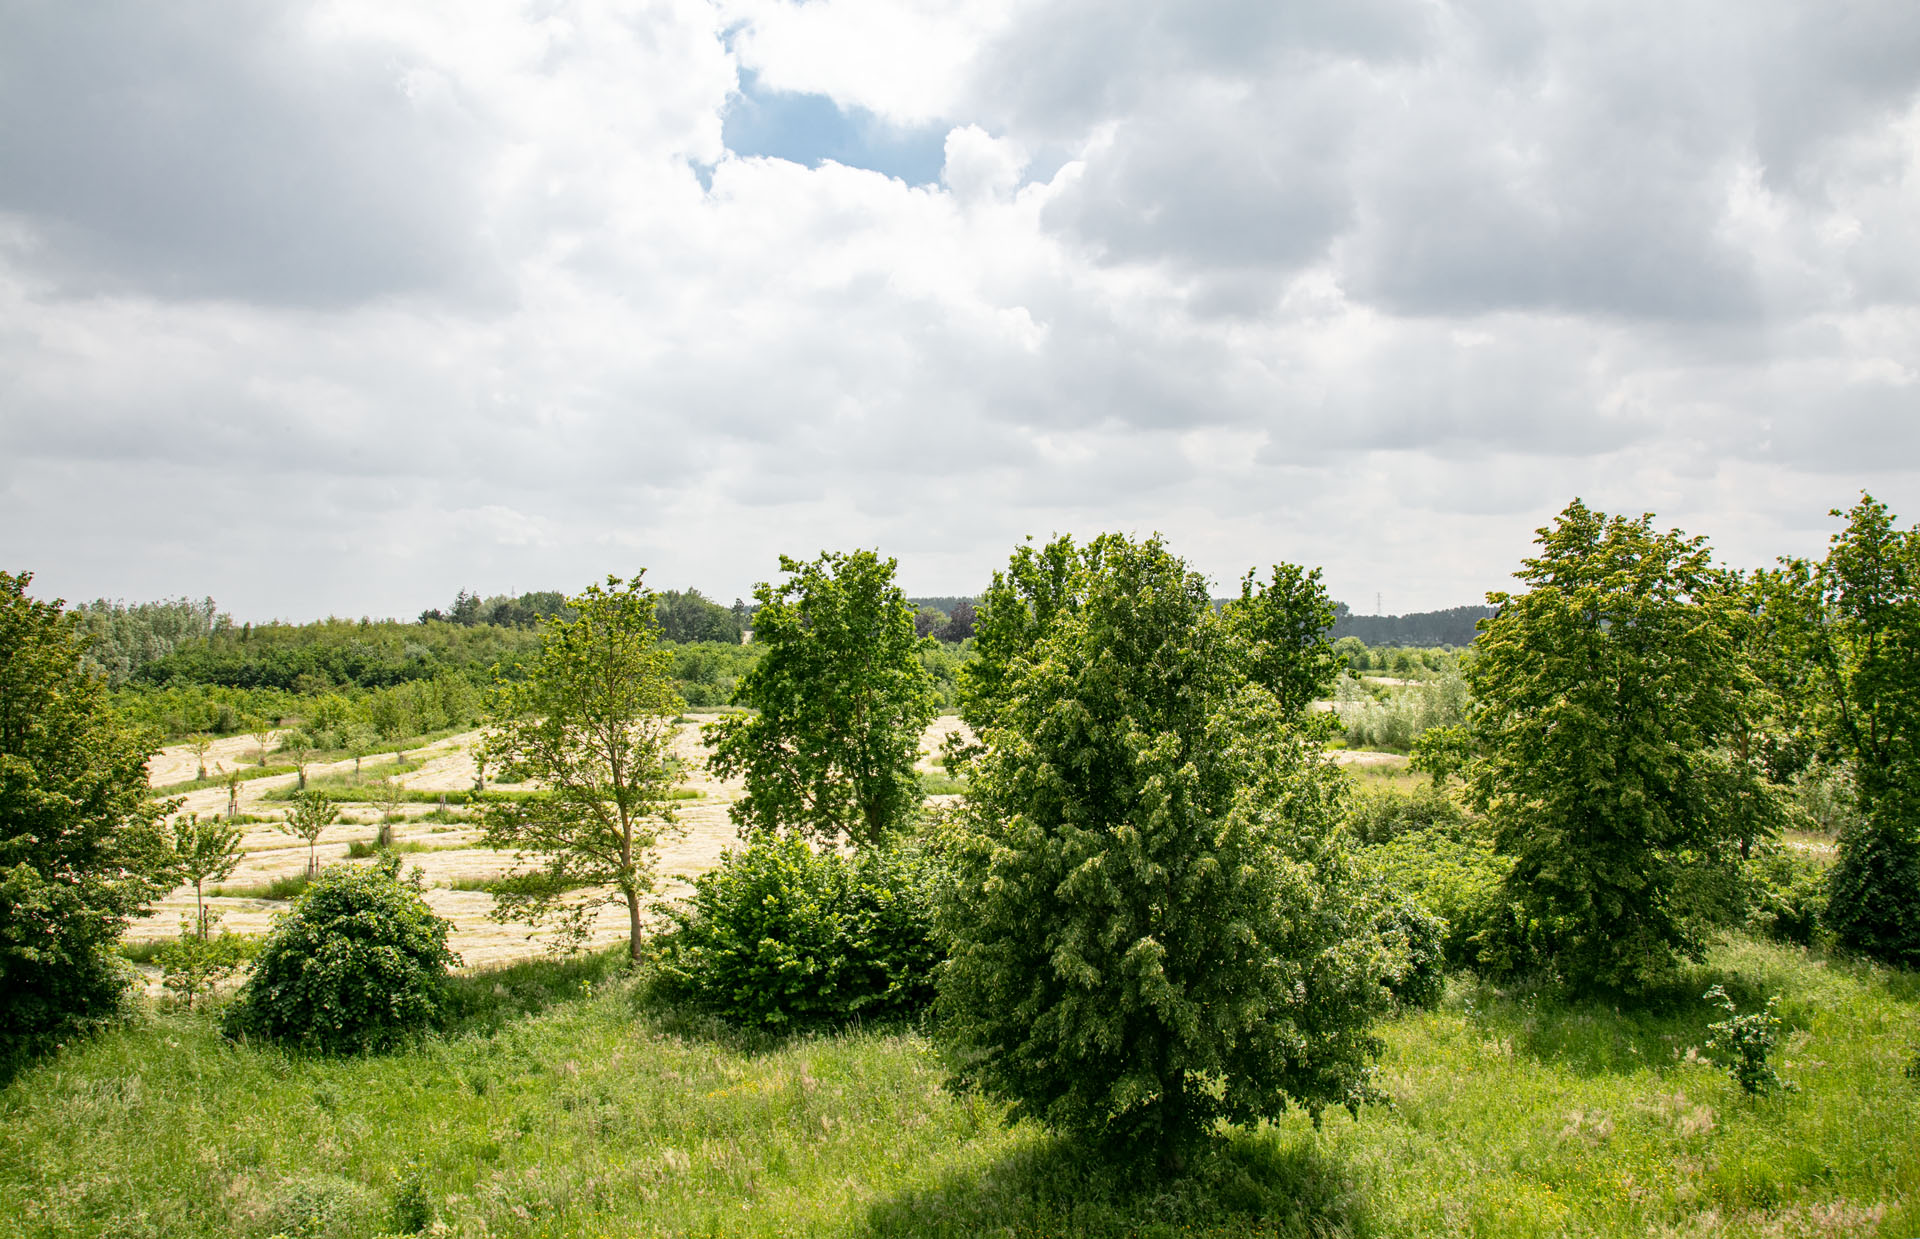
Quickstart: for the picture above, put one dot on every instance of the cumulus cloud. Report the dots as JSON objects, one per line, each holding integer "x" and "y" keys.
{"x": 346, "y": 307}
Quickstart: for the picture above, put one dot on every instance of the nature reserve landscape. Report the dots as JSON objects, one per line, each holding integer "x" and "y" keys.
{"x": 1092, "y": 904}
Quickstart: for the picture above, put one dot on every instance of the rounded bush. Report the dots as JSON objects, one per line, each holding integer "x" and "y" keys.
{"x": 781, "y": 936}
{"x": 358, "y": 964}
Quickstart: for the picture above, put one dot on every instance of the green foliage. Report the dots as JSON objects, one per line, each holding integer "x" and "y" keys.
{"x": 121, "y": 639}
{"x": 204, "y": 851}
{"x": 312, "y": 813}
{"x": 693, "y": 617}
{"x": 1604, "y": 695}
{"x": 780, "y": 936}
{"x": 81, "y": 848}
{"x": 592, "y": 724}
{"x": 411, "y": 1211}
{"x": 1845, "y": 635}
{"x": 1873, "y": 893}
{"x": 198, "y": 960}
{"x": 708, "y": 674}
{"x": 841, "y": 701}
{"x": 574, "y": 1104}
{"x": 1416, "y": 942}
{"x": 500, "y": 611}
{"x": 359, "y": 964}
{"x": 1378, "y": 816}
{"x": 1787, "y": 896}
{"x": 1405, "y": 716}
{"x": 308, "y": 659}
{"x": 1282, "y": 627}
{"x": 1744, "y": 1044}
{"x": 1151, "y": 924}
{"x": 1454, "y": 874}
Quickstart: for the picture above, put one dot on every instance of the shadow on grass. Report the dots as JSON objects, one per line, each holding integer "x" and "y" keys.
{"x": 1259, "y": 1184}
{"x": 682, "y": 1016}
{"x": 482, "y": 1003}
{"x": 1594, "y": 1036}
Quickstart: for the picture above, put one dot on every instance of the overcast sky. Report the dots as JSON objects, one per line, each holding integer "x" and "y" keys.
{"x": 339, "y": 308}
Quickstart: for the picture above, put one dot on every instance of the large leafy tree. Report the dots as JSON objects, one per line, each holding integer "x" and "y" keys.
{"x": 1609, "y": 695}
{"x": 592, "y": 724}
{"x": 1850, "y": 625}
{"x": 1151, "y": 925}
{"x": 839, "y": 701}
{"x": 81, "y": 846}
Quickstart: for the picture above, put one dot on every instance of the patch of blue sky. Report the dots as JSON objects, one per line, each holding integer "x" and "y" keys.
{"x": 811, "y": 129}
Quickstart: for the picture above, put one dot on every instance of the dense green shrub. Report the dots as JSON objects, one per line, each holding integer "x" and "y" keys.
{"x": 358, "y": 964}
{"x": 1787, "y": 895}
{"x": 1843, "y": 654}
{"x": 782, "y": 936}
{"x": 1455, "y": 876}
{"x": 1417, "y": 939}
{"x": 1873, "y": 893}
{"x": 1377, "y": 815}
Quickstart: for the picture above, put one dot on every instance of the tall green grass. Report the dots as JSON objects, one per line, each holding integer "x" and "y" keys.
{"x": 568, "y": 1102}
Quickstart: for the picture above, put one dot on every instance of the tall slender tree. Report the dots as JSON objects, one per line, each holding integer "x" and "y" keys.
{"x": 592, "y": 724}
{"x": 840, "y": 703}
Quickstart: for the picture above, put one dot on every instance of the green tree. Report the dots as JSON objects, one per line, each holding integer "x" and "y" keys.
{"x": 81, "y": 845}
{"x": 592, "y": 723}
{"x": 840, "y": 700}
{"x": 691, "y": 616}
{"x": 310, "y": 816}
{"x": 204, "y": 851}
{"x": 1606, "y": 697}
{"x": 262, "y": 732}
{"x": 198, "y": 743}
{"x": 1850, "y": 627}
{"x": 1151, "y": 924}
{"x": 298, "y": 746}
{"x": 1283, "y": 626}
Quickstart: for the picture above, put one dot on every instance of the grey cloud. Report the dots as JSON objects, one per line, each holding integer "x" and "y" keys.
{"x": 1465, "y": 157}
{"x": 1217, "y": 179}
{"x": 208, "y": 149}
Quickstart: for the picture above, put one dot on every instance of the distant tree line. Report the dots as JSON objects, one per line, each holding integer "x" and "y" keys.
{"x": 944, "y": 619}
{"x": 502, "y": 610}
{"x": 1423, "y": 629}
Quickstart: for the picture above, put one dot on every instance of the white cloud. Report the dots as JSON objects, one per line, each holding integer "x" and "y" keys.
{"x": 350, "y": 311}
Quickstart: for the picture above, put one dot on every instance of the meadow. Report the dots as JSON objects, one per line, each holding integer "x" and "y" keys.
{"x": 566, "y": 1099}
{"x": 582, "y": 1096}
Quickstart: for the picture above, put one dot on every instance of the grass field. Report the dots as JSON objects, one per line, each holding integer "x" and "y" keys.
{"x": 567, "y": 1101}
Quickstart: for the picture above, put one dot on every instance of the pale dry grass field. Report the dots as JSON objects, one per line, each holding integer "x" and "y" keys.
{"x": 703, "y": 831}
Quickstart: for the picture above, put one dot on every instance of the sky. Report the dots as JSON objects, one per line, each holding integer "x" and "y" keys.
{"x": 339, "y": 308}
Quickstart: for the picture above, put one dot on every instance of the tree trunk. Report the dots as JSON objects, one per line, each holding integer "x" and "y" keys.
{"x": 633, "y": 927}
